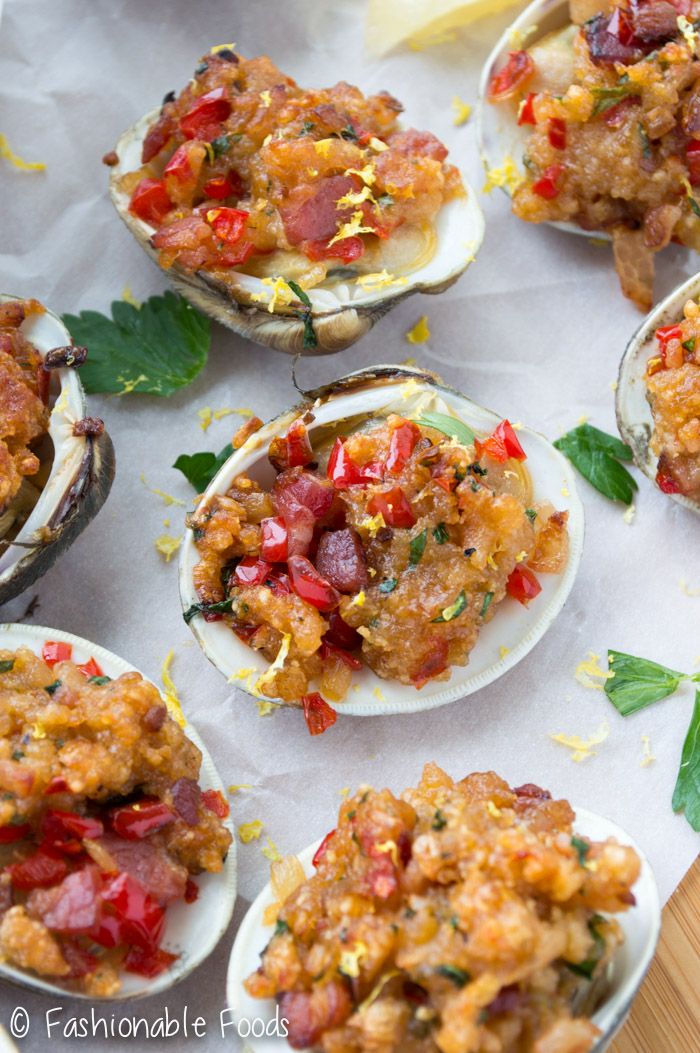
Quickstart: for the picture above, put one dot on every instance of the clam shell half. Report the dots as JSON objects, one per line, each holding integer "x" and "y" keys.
{"x": 191, "y": 930}
{"x": 634, "y": 418}
{"x": 504, "y": 641}
{"x": 81, "y": 473}
{"x": 341, "y": 314}
{"x": 641, "y": 926}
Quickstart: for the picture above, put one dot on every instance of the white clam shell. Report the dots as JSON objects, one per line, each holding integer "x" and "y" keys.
{"x": 498, "y": 134}
{"x": 192, "y": 930}
{"x": 80, "y": 478}
{"x": 641, "y": 925}
{"x": 514, "y": 627}
{"x": 634, "y": 418}
{"x": 341, "y": 314}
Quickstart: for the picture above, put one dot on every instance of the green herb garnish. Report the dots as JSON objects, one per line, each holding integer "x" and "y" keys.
{"x": 531, "y": 514}
{"x": 281, "y": 927}
{"x": 388, "y": 585}
{"x": 439, "y": 821}
{"x": 416, "y": 547}
{"x": 7, "y": 665}
{"x": 99, "y": 680}
{"x": 646, "y": 145}
{"x": 582, "y": 849}
{"x": 488, "y": 596}
{"x": 596, "y": 455}
{"x": 686, "y": 794}
{"x": 222, "y": 143}
{"x": 441, "y": 534}
{"x": 606, "y": 98}
{"x": 310, "y": 339}
{"x": 17, "y": 755}
{"x": 459, "y": 977}
{"x": 307, "y": 126}
{"x": 222, "y": 607}
{"x": 154, "y": 349}
{"x": 200, "y": 468}
{"x": 451, "y": 426}
{"x": 689, "y": 345}
{"x": 588, "y": 967}
{"x": 385, "y": 201}
{"x": 349, "y": 133}
{"x": 454, "y": 610}
{"x": 51, "y": 689}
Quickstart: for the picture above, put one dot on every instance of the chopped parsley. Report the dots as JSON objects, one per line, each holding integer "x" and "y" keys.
{"x": 310, "y": 339}
{"x": 582, "y": 849}
{"x": 388, "y": 585}
{"x": 7, "y": 665}
{"x": 469, "y": 551}
{"x": 417, "y": 547}
{"x": 222, "y": 143}
{"x": 349, "y": 133}
{"x": 100, "y": 680}
{"x": 281, "y": 927}
{"x": 477, "y": 469}
{"x": 531, "y": 514}
{"x": 606, "y": 98}
{"x": 51, "y": 689}
{"x": 17, "y": 755}
{"x": 454, "y": 610}
{"x": 222, "y": 607}
{"x": 488, "y": 596}
{"x": 689, "y": 345}
{"x": 385, "y": 201}
{"x": 439, "y": 821}
{"x": 459, "y": 977}
{"x": 588, "y": 967}
{"x": 441, "y": 534}
{"x": 307, "y": 127}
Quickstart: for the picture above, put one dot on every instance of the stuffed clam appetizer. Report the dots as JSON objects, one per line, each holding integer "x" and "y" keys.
{"x": 117, "y": 865}
{"x": 362, "y": 548}
{"x": 658, "y": 395}
{"x": 297, "y": 217}
{"x": 456, "y": 916}
{"x": 56, "y": 463}
{"x": 590, "y": 113}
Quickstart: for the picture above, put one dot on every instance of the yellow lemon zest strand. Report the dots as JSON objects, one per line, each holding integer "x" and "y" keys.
{"x": 167, "y": 499}
{"x": 172, "y": 699}
{"x": 506, "y": 176}
{"x": 280, "y": 293}
{"x": 378, "y": 145}
{"x": 352, "y": 228}
{"x": 377, "y": 692}
{"x": 250, "y": 831}
{"x": 582, "y": 748}
{"x": 323, "y": 146}
{"x": 271, "y": 851}
{"x": 18, "y": 162}
{"x": 265, "y": 707}
{"x": 379, "y": 280}
{"x": 366, "y": 174}
{"x": 237, "y": 787}
{"x": 222, "y": 47}
{"x": 462, "y": 111}
{"x": 205, "y": 417}
{"x": 647, "y": 756}
{"x": 355, "y": 197}
{"x": 167, "y": 545}
{"x": 589, "y": 672}
{"x": 420, "y": 331}
{"x": 687, "y": 30}
{"x": 128, "y": 297}
{"x": 493, "y": 810}
{"x": 349, "y": 960}
{"x": 278, "y": 663}
{"x": 503, "y": 651}
{"x": 38, "y": 731}
{"x": 266, "y": 98}
{"x": 242, "y": 411}
{"x": 129, "y": 385}
{"x": 390, "y": 848}
{"x": 683, "y": 586}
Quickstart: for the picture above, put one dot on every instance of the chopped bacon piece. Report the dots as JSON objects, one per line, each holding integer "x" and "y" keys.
{"x": 71, "y": 907}
{"x": 342, "y": 635}
{"x": 148, "y": 963}
{"x": 318, "y": 218}
{"x": 413, "y": 143}
{"x": 341, "y": 560}
{"x": 159, "y": 134}
{"x": 310, "y": 1013}
{"x": 186, "y": 796}
{"x": 435, "y": 664}
{"x": 149, "y": 864}
{"x": 296, "y": 487}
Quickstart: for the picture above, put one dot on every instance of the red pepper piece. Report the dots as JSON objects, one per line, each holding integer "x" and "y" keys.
{"x": 219, "y": 188}
{"x": 43, "y": 384}
{"x": 251, "y": 571}
{"x": 620, "y": 26}
{"x": 328, "y": 650}
{"x": 62, "y": 829}
{"x": 556, "y": 133}
{"x": 526, "y": 113}
{"x": 502, "y": 444}
{"x": 203, "y": 120}
{"x": 214, "y": 800}
{"x": 108, "y": 930}
{"x": 665, "y": 482}
{"x": 233, "y": 256}
{"x": 90, "y": 668}
{"x": 279, "y": 582}
{"x": 53, "y": 652}
{"x": 57, "y": 785}
{"x": 274, "y": 539}
{"x": 347, "y": 249}
{"x": 547, "y": 187}
{"x": 150, "y": 201}
{"x": 394, "y": 506}
{"x": 310, "y": 586}
{"x": 513, "y": 77}
{"x": 142, "y": 919}
{"x": 14, "y": 832}
{"x": 319, "y": 716}
{"x": 692, "y": 160}
{"x": 191, "y": 891}
{"x": 179, "y": 165}
{"x": 148, "y": 963}
{"x": 157, "y": 137}
{"x": 136, "y": 821}
{"x": 227, "y": 223}
{"x": 39, "y": 870}
{"x": 344, "y": 472}
{"x": 342, "y": 635}
{"x": 664, "y": 334}
{"x": 523, "y": 586}
{"x": 322, "y": 849}
{"x": 401, "y": 446}
{"x": 300, "y": 452}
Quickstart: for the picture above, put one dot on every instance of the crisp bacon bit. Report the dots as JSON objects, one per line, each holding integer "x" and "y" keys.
{"x": 59, "y": 357}
{"x": 246, "y": 429}
{"x": 90, "y": 427}
{"x": 111, "y": 158}
{"x": 531, "y": 789}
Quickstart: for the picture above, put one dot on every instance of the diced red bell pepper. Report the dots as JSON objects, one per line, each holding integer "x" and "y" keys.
{"x": 340, "y": 634}
{"x": 90, "y": 668}
{"x": 150, "y": 201}
{"x": 219, "y": 188}
{"x": 57, "y": 785}
{"x": 251, "y": 571}
{"x": 279, "y": 582}
{"x": 108, "y": 930}
{"x": 621, "y": 27}
{"x": 526, "y": 113}
{"x": 227, "y": 223}
{"x": 43, "y": 384}
{"x": 513, "y": 77}
{"x": 347, "y": 249}
{"x": 39, "y": 870}
{"x": 136, "y": 821}
{"x": 344, "y": 472}
{"x": 191, "y": 891}
{"x": 14, "y": 832}
{"x": 664, "y": 334}
{"x": 148, "y": 963}
{"x": 523, "y": 586}
{"x": 54, "y": 651}
{"x": 319, "y": 716}
{"x": 547, "y": 186}
{"x": 322, "y": 849}
{"x": 394, "y": 506}
{"x": 300, "y": 452}
{"x": 665, "y": 482}
{"x": 205, "y": 117}
{"x": 62, "y": 829}
{"x": 214, "y": 800}
{"x": 401, "y": 445}
{"x": 142, "y": 919}
{"x": 179, "y": 165}
{"x": 556, "y": 133}
{"x": 234, "y": 255}
{"x": 310, "y": 586}
{"x": 329, "y": 650}
{"x": 692, "y": 160}
{"x": 502, "y": 444}
{"x": 274, "y": 539}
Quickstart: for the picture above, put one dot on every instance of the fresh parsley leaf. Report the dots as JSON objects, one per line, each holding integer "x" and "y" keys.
{"x": 686, "y": 795}
{"x": 222, "y": 607}
{"x": 388, "y": 585}
{"x": 531, "y": 514}
{"x": 456, "y": 429}
{"x": 6, "y": 665}
{"x": 349, "y": 133}
{"x": 281, "y": 927}
{"x": 51, "y": 689}
{"x": 385, "y": 201}
{"x": 488, "y": 596}
{"x": 441, "y": 534}
{"x": 459, "y": 977}
{"x": 299, "y": 292}
{"x": 689, "y": 345}
{"x": 637, "y": 682}
{"x": 222, "y": 144}
{"x": 596, "y": 455}
{"x": 454, "y": 610}
{"x": 606, "y": 98}
{"x": 646, "y": 145}
{"x": 582, "y": 849}
{"x": 694, "y": 206}
{"x": 310, "y": 338}
{"x": 588, "y": 967}
{"x": 416, "y": 547}
{"x": 439, "y": 821}
{"x": 99, "y": 680}
{"x": 154, "y": 349}
{"x": 200, "y": 468}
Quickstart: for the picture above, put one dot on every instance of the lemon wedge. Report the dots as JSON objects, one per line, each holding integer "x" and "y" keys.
{"x": 391, "y": 22}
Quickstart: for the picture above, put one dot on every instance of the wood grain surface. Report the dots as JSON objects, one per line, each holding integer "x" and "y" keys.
{"x": 666, "y": 1014}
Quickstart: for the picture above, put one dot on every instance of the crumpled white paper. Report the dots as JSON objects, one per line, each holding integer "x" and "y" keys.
{"x": 535, "y": 330}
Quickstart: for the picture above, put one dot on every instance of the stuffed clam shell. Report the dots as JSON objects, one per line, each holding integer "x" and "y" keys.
{"x": 245, "y": 182}
{"x": 57, "y": 463}
{"x": 388, "y": 556}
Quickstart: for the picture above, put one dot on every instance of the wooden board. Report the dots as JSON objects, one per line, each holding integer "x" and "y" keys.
{"x": 666, "y": 1013}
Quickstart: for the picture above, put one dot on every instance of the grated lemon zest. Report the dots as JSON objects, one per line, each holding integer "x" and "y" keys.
{"x": 683, "y": 586}
{"x": 379, "y": 280}
{"x": 506, "y": 176}
{"x": 322, "y": 146}
{"x": 38, "y": 731}
{"x": 344, "y": 791}
{"x": 352, "y": 228}
{"x": 521, "y": 556}
{"x": 613, "y": 385}
{"x": 349, "y": 960}
{"x": 18, "y": 162}
{"x": 280, "y": 293}
{"x": 377, "y": 990}
{"x": 390, "y": 848}
{"x": 377, "y": 693}
{"x": 600, "y": 242}
{"x": 265, "y": 707}
{"x": 493, "y": 810}
{"x": 131, "y": 384}
{"x": 462, "y": 111}
{"x": 517, "y": 37}
{"x": 589, "y": 669}
{"x": 410, "y": 361}
{"x": 582, "y": 748}
{"x": 366, "y": 174}
{"x": 647, "y": 756}
{"x": 373, "y": 524}
{"x": 167, "y": 545}
{"x": 266, "y": 98}
{"x": 172, "y": 699}
{"x": 355, "y": 197}
{"x": 250, "y": 831}
{"x": 206, "y": 416}
{"x": 271, "y": 851}
{"x": 238, "y": 786}
{"x": 565, "y": 491}
{"x": 491, "y": 562}
{"x": 222, "y": 47}
{"x": 278, "y": 663}
{"x": 583, "y": 419}
{"x": 359, "y": 600}
{"x": 503, "y": 651}
{"x": 166, "y": 498}
{"x": 166, "y": 522}
{"x": 686, "y": 28}
{"x": 419, "y": 334}
{"x": 128, "y": 297}
{"x": 629, "y": 514}
{"x": 378, "y": 145}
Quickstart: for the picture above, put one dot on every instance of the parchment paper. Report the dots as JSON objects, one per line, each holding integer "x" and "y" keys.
{"x": 534, "y": 330}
